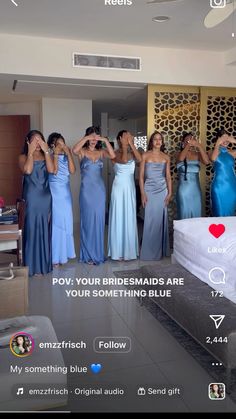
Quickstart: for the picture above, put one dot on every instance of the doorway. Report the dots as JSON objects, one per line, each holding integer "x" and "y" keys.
{"x": 13, "y": 130}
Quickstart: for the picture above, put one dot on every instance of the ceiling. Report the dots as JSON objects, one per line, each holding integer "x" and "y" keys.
{"x": 91, "y": 20}
{"x": 121, "y": 99}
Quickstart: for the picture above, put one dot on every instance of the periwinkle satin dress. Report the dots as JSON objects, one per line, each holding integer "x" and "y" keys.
{"x": 37, "y": 226}
{"x": 223, "y": 187}
{"x": 155, "y": 242}
{"x": 92, "y": 202}
{"x": 62, "y": 216}
{"x": 188, "y": 194}
{"x": 122, "y": 229}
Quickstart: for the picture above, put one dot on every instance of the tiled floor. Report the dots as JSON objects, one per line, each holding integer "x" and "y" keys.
{"x": 156, "y": 359}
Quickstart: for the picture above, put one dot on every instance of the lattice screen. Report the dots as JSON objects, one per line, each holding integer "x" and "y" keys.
{"x": 174, "y": 113}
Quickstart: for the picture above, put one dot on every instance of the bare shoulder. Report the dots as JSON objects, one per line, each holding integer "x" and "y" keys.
{"x": 146, "y": 155}
{"x": 21, "y": 161}
{"x": 233, "y": 153}
{"x": 166, "y": 157}
{"x": 81, "y": 154}
{"x": 117, "y": 157}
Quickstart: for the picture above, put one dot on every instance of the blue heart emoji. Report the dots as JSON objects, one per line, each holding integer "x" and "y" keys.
{"x": 96, "y": 368}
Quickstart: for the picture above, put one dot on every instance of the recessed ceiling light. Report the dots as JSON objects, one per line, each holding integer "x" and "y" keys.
{"x": 160, "y": 19}
{"x": 14, "y": 2}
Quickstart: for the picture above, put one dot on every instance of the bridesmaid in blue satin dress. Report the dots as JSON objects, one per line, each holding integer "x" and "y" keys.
{"x": 156, "y": 190}
{"x": 35, "y": 162}
{"x": 62, "y": 215}
{"x": 188, "y": 194}
{"x": 92, "y": 194}
{"x": 223, "y": 187}
{"x": 122, "y": 228}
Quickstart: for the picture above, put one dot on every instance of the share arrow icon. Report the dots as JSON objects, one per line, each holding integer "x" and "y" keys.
{"x": 218, "y": 319}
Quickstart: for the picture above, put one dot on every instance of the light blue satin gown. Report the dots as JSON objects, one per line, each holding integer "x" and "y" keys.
{"x": 92, "y": 201}
{"x": 62, "y": 216}
{"x": 155, "y": 242}
{"x": 122, "y": 230}
{"x": 37, "y": 227}
{"x": 188, "y": 194}
{"x": 223, "y": 187}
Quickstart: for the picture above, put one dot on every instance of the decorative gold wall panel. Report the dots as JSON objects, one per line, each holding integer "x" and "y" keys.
{"x": 218, "y": 110}
{"x": 173, "y": 110}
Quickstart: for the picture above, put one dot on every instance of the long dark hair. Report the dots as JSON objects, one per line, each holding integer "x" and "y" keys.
{"x": 53, "y": 137}
{"x": 150, "y": 143}
{"x": 28, "y": 138}
{"x": 25, "y": 344}
{"x": 93, "y": 130}
{"x": 184, "y": 136}
{"x": 219, "y": 134}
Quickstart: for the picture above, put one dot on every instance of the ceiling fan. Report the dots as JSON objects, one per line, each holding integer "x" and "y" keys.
{"x": 215, "y": 16}
{"x": 218, "y": 15}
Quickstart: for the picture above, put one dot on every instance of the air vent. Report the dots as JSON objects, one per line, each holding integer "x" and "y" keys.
{"x": 111, "y": 62}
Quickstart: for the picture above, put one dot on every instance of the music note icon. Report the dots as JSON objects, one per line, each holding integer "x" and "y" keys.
{"x": 20, "y": 391}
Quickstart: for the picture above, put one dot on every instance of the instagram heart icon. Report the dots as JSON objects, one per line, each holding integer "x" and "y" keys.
{"x": 217, "y": 230}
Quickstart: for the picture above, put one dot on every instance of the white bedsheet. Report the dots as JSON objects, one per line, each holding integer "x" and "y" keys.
{"x": 193, "y": 244}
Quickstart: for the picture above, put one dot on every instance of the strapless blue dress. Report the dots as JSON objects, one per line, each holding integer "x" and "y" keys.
{"x": 122, "y": 229}
{"x": 62, "y": 215}
{"x": 188, "y": 194}
{"x": 223, "y": 187}
{"x": 155, "y": 242}
{"x": 92, "y": 201}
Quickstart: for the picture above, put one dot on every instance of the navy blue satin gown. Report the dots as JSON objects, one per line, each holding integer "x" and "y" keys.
{"x": 188, "y": 194}
{"x": 223, "y": 187}
{"x": 155, "y": 242}
{"x": 37, "y": 227}
{"x": 92, "y": 202}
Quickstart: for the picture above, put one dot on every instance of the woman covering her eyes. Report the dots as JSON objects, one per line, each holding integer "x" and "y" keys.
{"x": 92, "y": 197}
{"x": 62, "y": 216}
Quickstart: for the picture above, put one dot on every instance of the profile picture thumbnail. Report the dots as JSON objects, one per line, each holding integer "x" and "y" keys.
{"x": 217, "y": 391}
{"x": 22, "y": 344}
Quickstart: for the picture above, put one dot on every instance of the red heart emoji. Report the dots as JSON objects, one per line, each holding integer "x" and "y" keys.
{"x": 217, "y": 230}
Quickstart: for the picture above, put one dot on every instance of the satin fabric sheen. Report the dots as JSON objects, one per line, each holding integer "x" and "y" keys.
{"x": 223, "y": 188}
{"x": 92, "y": 201}
{"x": 188, "y": 194}
{"x": 62, "y": 216}
{"x": 122, "y": 231}
{"x": 37, "y": 227}
{"x": 155, "y": 242}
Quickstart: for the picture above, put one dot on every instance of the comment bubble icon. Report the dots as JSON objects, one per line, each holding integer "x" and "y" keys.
{"x": 217, "y": 275}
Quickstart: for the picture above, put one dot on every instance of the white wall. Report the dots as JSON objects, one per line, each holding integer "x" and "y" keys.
{"x": 23, "y": 108}
{"x": 133, "y": 125}
{"x": 70, "y": 117}
{"x": 159, "y": 65}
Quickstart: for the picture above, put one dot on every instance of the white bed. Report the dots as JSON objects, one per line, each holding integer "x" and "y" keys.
{"x": 192, "y": 242}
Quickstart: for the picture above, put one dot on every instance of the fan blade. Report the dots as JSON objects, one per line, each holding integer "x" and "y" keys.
{"x": 217, "y": 16}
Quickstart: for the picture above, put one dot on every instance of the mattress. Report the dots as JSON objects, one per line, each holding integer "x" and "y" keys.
{"x": 211, "y": 259}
